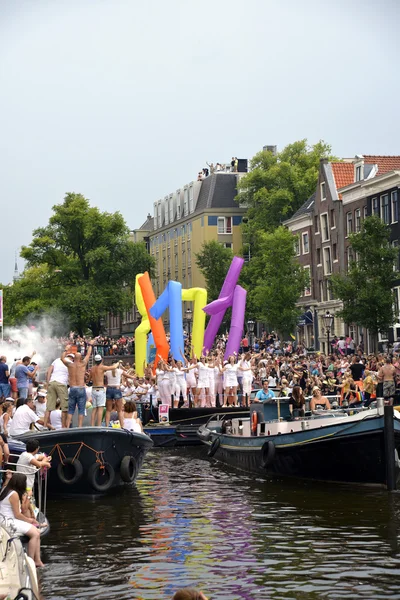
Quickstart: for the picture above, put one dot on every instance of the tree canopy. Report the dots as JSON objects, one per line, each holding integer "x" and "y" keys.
{"x": 366, "y": 289}
{"x": 213, "y": 261}
{"x": 81, "y": 263}
{"x": 275, "y": 281}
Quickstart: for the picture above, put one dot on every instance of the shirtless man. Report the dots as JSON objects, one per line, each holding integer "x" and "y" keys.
{"x": 98, "y": 389}
{"x": 387, "y": 374}
{"x": 77, "y": 390}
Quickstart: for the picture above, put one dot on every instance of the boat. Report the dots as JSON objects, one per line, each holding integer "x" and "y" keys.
{"x": 88, "y": 460}
{"x": 181, "y": 425}
{"x": 350, "y": 446}
{"x": 18, "y": 577}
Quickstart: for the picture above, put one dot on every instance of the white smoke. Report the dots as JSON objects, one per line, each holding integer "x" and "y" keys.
{"x": 40, "y": 337}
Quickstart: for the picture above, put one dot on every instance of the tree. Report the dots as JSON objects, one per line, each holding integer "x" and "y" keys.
{"x": 366, "y": 290}
{"x": 214, "y": 260}
{"x": 275, "y": 282}
{"x": 82, "y": 263}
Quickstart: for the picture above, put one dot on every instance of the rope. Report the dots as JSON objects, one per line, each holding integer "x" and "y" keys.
{"x": 62, "y": 456}
{"x": 205, "y": 417}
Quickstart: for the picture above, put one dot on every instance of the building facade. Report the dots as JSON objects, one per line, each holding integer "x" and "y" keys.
{"x": 346, "y": 193}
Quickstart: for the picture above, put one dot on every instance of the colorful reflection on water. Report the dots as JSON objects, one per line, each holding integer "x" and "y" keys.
{"x": 193, "y": 522}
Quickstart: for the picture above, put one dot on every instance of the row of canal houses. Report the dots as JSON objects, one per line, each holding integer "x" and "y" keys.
{"x": 346, "y": 193}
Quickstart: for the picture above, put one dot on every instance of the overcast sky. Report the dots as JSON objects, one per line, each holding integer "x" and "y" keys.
{"x": 125, "y": 101}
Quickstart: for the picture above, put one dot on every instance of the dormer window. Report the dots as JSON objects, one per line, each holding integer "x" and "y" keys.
{"x": 359, "y": 171}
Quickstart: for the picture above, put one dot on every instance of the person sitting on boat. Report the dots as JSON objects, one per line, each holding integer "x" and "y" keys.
{"x": 6, "y": 417}
{"x": 297, "y": 402}
{"x": 23, "y": 418}
{"x": 265, "y": 394}
{"x": 11, "y": 497}
{"x": 131, "y": 420}
{"x": 31, "y": 461}
{"x": 318, "y": 401}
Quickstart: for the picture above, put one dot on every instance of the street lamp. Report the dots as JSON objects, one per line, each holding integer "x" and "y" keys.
{"x": 189, "y": 315}
{"x": 328, "y": 322}
{"x": 250, "y": 331}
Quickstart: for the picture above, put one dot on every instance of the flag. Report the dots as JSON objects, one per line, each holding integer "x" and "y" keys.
{"x": 1, "y": 308}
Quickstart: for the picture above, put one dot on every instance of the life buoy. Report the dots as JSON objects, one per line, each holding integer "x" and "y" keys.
{"x": 128, "y": 469}
{"x": 268, "y": 452}
{"x": 101, "y": 477}
{"x": 214, "y": 447}
{"x": 254, "y": 422}
{"x": 70, "y": 471}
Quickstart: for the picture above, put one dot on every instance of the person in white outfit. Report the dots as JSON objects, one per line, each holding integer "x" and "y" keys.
{"x": 163, "y": 382}
{"x": 247, "y": 377}
{"x": 191, "y": 381}
{"x": 203, "y": 383}
{"x": 180, "y": 383}
{"x": 231, "y": 382}
{"x": 131, "y": 420}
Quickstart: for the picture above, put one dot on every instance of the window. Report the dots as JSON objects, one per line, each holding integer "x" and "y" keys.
{"x": 350, "y": 258}
{"x": 395, "y": 206}
{"x": 323, "y": 191}
{"x": 375, "y": 206}
{"x": 327, "y": 261}
{"x": 178, "y": 211}
{"x": 189, "y": 230}
{"x": 334, "y": 252}
{"x": 189, "y": 255}
{"x": 307, "y": 289}
{"x": 297, "y": 245}
{"x": 228, "y": 245}
{"x": 385, "y": 216}
{"x": 176, "y": 261}
{"x": 306, "y": 247}
{"x": 155, "y": 216}
{"x": 224, "y": 225}
{"x": 396, "y": 306}
{"x": 396, "y": 265}
{"x": 171, "y": 209}
{"x": 325, "y": 227}
{"x": 358, "y": 173}
{"x": 316, "y": 224}
{"x": 183, "y": 259}
{"x": 333, "y": 218}
{"x": 164, "y": 264}
{"x": 169, "y": 262}
{"x": 321, "y": 291}
{"x": 349, "y": 223}
{"x": 191, "y": 203}
{"x": 159, "y": 215}
{"x": 185, "y": 202}
{"x": 319, "y": 263}
{"x": 365, "y": 212}
{"x": 357, "y": 220}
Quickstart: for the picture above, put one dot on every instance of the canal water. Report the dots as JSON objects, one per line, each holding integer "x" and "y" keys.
{"x": 190, "y": 521}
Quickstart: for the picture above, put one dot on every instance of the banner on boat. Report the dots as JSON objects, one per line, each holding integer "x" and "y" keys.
{"x": 163, "y": 413}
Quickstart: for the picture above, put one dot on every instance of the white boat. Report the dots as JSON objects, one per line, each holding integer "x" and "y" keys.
{"x": 17, "y": 571}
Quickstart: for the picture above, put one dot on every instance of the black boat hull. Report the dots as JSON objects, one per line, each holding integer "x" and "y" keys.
{"x": 91, "y": 460}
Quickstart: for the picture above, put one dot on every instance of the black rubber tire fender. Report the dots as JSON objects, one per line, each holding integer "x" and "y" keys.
{"x": 77, "y": 472}
{"x": 268, "y": 452}
{"x": 214, "y": 447}
{"x": 106, "y": 470}
{"x": 128, "y": 469}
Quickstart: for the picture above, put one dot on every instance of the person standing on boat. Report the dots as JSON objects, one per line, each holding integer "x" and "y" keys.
{"x": 57, "y": 388}
{"x": 247, "y": 377}
{"x": 77, "y": 390}
{"x": 265, "y": 394}
{"x": 99, "y": 391}
{"x": 387, "y": 374}
{"x": 203, "y": 383}
{"x": 163, "y": 383}
{"x": 230, "y": 382}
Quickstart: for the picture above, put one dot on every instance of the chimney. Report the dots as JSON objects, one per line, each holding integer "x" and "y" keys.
{"x": 272, "y": 149}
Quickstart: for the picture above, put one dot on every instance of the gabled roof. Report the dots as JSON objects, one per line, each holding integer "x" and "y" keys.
{"x": 343, "y": 173}
{"x": 304, "y": 209}
{"x": 385, "y": 163}
{"x": 148, "y": 225}
{"x": 218, "y": 190}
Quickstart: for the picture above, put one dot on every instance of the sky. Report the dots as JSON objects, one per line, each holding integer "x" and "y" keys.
{"x": 124, "y": 101}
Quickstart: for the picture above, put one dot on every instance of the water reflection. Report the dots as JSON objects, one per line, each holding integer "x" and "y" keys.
{"x": 192, "y": 522}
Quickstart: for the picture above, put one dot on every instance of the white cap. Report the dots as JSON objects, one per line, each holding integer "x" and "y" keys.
{"x": 42, "y": 394}
{"x": 98, "y": 358}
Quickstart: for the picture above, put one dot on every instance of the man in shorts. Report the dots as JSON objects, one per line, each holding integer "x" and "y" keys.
{"x": 76, "y": 375}
{"x": 98, "y": 389}
{"x": 5, "y": 387}
{"x": 24, "y": 376}
{"x": 57, "y": 388}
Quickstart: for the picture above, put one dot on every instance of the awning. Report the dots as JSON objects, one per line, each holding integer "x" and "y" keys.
{"x": 306, "y": 319}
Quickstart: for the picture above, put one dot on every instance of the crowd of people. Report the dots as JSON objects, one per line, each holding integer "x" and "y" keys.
{"x": 211, "y": 168}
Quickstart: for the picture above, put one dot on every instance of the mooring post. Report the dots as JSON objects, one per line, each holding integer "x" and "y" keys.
{"x": 388, "y": 432}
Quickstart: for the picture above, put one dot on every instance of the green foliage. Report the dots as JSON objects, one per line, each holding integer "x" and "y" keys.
{"x": 82, "y": 263}
{"x": 366, "y": 289}
{"x": 213, "y": 261}
{"x": 275, "y": 281}
{"x": 277, "y": 186}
